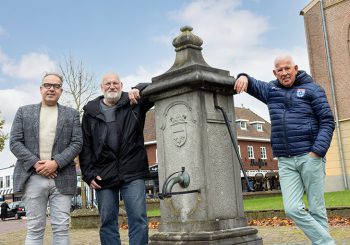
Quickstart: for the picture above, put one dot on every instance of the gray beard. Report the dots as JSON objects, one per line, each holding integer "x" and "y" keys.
{"x": 112, "y": 97}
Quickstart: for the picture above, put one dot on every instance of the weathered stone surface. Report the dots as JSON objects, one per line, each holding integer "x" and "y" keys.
{"x": 191, "y": 134}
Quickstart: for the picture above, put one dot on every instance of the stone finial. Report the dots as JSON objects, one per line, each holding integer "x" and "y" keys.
{"x": 188, "y": 50}
{"x": 187, "y": 40}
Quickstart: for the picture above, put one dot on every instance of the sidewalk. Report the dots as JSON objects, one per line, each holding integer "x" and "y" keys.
{"x": 281, "y": 235}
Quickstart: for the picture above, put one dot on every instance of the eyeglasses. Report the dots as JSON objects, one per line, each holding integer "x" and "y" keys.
{"x": 281, "y": 70}
{"x": 109, "y": 84}
{"x": 54, "y": 85}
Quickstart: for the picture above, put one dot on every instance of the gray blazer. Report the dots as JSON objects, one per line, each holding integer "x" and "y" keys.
{"x": 24, "y": 144}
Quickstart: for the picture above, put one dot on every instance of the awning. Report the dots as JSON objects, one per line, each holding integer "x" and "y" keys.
{"x": 6, "y": 192}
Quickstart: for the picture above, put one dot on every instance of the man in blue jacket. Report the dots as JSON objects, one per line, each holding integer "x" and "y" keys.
{"x": 302, "y": 126}
{"x": 114, "y": 159}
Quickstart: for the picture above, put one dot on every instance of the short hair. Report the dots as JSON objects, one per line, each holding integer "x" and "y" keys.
{"x": 46, "y": 74}
{"x": 110, "y": 73}
{"x": 283, "y": 57}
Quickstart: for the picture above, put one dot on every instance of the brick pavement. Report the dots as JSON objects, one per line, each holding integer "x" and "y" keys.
{"x": 282, "y": 235}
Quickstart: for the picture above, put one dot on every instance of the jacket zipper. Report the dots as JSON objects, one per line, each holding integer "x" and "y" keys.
{"x": 286, "y": 107}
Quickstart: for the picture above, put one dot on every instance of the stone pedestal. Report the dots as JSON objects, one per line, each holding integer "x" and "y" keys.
{"x": 192, "y": 134}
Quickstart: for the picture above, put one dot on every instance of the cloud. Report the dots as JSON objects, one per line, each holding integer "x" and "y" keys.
{"x": 29, "y": 67}
{"x": 233, "y": 40}
{"x": 2, "y": 31}
{"x": 226, "y": 30}
{"x": 3, "y": 57}
{"x": 143, "y": 75}
{"x": 16, "y": 97}
{"x": 13, "y": 99}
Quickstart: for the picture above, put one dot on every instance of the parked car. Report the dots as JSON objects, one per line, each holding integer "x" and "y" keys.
{"x": 16, "y": 209}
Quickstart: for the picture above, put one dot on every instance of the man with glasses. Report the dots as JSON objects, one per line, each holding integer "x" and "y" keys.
{"x": 114, "y": 160}
{"x": 302, "y": 126}
{"x": 45, "y": 138}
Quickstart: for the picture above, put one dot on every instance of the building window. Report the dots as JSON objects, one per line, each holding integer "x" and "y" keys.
{"x": 7, "y": 181}
{"x": 243, "y": 125}
{"x": 239, "y": 151}
{"x": 1, "y": 182}
{"x": 263, "y": 152}
{"x": 259, "y": 127}
{"x": 250, "y": 152}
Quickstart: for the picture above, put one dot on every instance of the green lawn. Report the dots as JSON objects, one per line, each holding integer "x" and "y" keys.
{"x": 333, "y": 199}
{"x": 153, "y": 212}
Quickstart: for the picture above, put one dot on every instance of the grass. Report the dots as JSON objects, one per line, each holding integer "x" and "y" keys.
{"x": 332, "y": 199}
{"x": 153, "y": 212}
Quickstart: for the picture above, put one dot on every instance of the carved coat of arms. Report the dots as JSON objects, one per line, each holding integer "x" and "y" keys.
{"x": 178, "y": 129}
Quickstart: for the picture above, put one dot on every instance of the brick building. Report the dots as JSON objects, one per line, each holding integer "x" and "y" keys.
{"x": 327, "y": 27}
{"x": 253, "y": 135}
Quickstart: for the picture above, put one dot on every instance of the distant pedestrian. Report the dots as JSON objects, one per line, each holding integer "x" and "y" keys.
{"x": 45, "y": 138}
{"x": 4, "y": 207}
{"x": 302, "y": 126}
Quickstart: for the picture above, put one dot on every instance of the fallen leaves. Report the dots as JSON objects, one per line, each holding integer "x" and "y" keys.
{"x": 151, "y": 225}
{"x": 271, "y": 222}
{"x": 274, "y": 221}
{"x": 332, "y": 221}
{"x": 338, "y": 221}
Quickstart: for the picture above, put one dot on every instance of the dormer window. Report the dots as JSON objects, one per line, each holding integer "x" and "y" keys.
{"x": 258, "y": 125}
{"x": 242, "y": 124}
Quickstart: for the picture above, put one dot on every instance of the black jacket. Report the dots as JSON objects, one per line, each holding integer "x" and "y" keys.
{"x": 124, "y": 164}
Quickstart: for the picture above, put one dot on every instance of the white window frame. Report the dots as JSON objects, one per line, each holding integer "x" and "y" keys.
{"x": 250, "y": 152}
{"x": 263, "y": 154}
{"x": 156, "y": 155}
{"x": 243, "y": 125}
{"x": 7, "y": 181}
{"x": 259, "y": 127}
{"x": 239, "y": 151}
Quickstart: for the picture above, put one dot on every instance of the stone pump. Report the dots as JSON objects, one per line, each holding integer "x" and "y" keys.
{"x": 197, "y": 164}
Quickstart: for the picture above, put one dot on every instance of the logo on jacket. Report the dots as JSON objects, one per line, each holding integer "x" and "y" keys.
{"x": 300, "y": 92}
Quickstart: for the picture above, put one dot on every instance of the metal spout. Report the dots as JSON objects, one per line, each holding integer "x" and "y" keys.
{"x": 183, "y": 179}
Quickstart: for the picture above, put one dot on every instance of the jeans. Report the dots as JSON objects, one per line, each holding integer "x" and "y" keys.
{"x": 299, "y": 174}
{"x": 134, "y": 196}
{"x": 40, "y": 190}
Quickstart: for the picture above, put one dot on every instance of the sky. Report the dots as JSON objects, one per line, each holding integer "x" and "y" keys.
{"x": 134, "y": 39}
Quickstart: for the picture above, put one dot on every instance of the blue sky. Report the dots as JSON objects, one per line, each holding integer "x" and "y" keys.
{"x": 134, "y": 39}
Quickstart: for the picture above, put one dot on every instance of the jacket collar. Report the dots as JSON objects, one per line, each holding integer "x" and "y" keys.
{"x": 93, "y": 106}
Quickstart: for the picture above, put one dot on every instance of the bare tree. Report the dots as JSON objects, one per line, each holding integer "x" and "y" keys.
{"x": 79, "y": 85}
{"x": 79, "y": 88}
{"x": 3, "y": 136}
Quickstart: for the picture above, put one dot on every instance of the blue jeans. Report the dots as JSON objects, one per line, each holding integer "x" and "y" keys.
{"x": 39, "y": 191}
{"x": 299, "y": 174}
{"x": 134, "y": 196}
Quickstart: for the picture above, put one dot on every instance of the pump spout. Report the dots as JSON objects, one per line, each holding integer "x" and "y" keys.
{"x": 183, "y": 179}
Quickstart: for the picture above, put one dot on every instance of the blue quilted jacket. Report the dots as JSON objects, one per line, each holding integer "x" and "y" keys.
{"x": 301, "y": 119}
